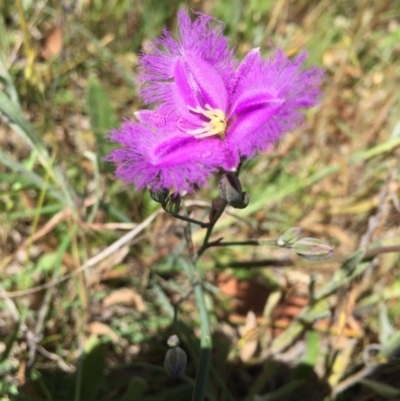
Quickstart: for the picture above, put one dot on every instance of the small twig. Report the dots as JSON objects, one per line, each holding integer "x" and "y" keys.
{"x": 32, "y": 338}
{"x": 370, "y": 253}
{"x": 54, "y": 357}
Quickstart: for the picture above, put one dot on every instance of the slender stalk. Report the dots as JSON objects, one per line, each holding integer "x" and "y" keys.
{"x": 203, "y": 366}
{"x": 190, "y": 220}
{"x": 210, "y": 228}
{"x": 30, "y": 72}
{"x": 233, "y": 243}
{"x": 251, "y": 264}
{"x": 25, "y": 31}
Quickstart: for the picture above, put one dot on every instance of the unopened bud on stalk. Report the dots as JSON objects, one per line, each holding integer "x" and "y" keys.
{"x": 230, "y": 190}
{"x": 175, "y": 362}
{"x": 173, "y": 203}
{"x": 312, "y": 249}
{"x": 289, "y": 237}
{"x": 159, "y": 196}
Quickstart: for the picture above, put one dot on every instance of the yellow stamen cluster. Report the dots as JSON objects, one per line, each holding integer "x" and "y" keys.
{"x": 216, "y": 125}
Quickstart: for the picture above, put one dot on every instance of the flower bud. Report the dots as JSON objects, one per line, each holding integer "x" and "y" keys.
{"x": 312, "y": 249}
{"x": 173, "y": 203}
{"x": 175, "y": 362}
{"x": 230, "y": 190}
{"x": 289, "y": 237}
{"x": 159, "y": 196}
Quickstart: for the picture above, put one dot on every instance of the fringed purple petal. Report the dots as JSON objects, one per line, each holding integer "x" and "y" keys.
{"x": 156, "y": 155}
{"x": 193, "y": 69}
{"x": 252, "y": 58}
{"x": 267, "y": 99}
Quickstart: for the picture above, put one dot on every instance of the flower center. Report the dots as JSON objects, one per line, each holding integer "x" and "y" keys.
{"x": 216, "y": 125}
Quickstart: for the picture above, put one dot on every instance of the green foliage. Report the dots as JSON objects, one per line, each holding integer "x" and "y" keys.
{"x": 90, "y": 371}
{"x": 101, "y": 113}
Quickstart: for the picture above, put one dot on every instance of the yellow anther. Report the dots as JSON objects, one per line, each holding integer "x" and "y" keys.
{"x": 216, "y": 125}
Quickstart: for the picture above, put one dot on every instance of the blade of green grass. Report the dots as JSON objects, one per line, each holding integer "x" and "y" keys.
{"x": 34, "y": 178}
{"x": 106, "y": 54}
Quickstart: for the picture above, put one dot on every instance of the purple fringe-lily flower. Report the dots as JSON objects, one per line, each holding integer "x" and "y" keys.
{"x": 211, "y": 111}
{"x": 157, "y": 154}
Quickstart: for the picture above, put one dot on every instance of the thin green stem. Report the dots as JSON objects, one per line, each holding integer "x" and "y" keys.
{"x": 25, "y": 31}
{"x": 190, "y": 220}
{"x": 251, "y": 264}
{"x": 205, "y": 346}
{"x": 222, "y": 206}
{"x": 176, "y": 311}
{"x": 203, "y": 366}
{"x": 233, "y": 243}
{"x": 210, "y": 228}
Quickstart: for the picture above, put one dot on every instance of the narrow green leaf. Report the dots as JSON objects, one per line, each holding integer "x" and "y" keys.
{"x": 33, "y": 212}
{"x": 392, "y": 344}
{"x": 382, "y": 389}
{"x": 101, "y": 113}
{"x": 5, "y": 77}
{"x": 12, "y": 112}
{"x": 312, "y": 348}
{"x": 136, "y": 388}
{"x": 385, "y": 327}
{"x": 102, "y": 118}
{"x": 34, "y": 178}
{"x": 17, "y": 121}
{"x": 287, "y": 337}
{"x": 90, "y": 375}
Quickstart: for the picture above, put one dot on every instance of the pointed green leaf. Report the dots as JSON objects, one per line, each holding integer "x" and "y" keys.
{"x": 382, "y": 389}
{"x": 101, "y": 113}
